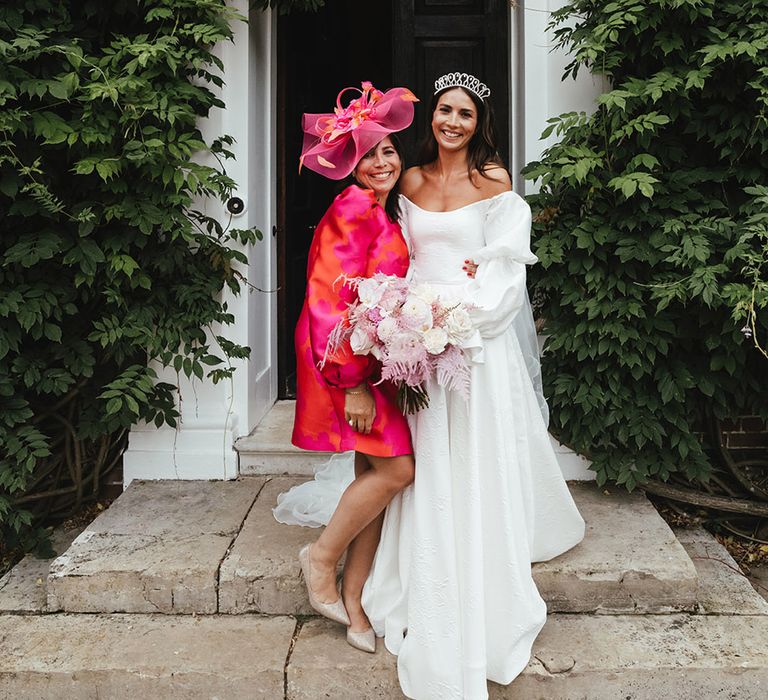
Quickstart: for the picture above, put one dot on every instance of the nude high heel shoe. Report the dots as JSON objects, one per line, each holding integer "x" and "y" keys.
{"x": 364, "y": 641}
{"x": 333, "y": 611}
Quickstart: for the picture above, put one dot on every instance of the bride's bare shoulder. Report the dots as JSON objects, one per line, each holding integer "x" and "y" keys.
{"x": 494, "y": 180}
{"x": 412, "y": 180}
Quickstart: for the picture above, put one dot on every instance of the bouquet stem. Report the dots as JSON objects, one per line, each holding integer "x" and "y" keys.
{"x": 411, "y": 399}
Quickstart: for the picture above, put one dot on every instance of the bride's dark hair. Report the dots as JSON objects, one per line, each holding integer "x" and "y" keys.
{"x": 482, "y": 151}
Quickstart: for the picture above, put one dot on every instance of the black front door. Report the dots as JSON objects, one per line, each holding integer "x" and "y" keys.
{"x": 345, "y": 43}
{"x": 434, "y": 37}
{"x": 398, "y": 43}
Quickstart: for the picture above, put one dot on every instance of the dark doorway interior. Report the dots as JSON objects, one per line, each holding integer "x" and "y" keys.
{"x": 345, "y": 43}
{"x": 434, "y": 37}
{"x": 395, "y": 42}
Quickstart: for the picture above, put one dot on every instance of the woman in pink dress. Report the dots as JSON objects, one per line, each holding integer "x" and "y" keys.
{"x": 340, "y": 405}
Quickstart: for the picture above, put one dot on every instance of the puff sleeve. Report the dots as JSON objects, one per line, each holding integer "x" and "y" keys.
{"x": 498, "y": 290}
{"x": 340, "y": 248}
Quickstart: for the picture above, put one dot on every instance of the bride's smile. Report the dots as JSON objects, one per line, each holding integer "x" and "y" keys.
{"x": 454, "y": 121}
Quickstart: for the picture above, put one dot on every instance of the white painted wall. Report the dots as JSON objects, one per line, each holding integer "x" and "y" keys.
{"x": 213, "y": 416}
{"x": 544, "y": 93}
{"x": 539, "y": 93}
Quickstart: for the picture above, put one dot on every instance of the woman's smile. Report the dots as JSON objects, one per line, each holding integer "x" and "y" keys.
{"x": 379, "y": 169}
{"x": 454, "y": 120}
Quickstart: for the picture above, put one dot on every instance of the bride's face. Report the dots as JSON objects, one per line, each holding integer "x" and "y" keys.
{"x": 454, "y": 120}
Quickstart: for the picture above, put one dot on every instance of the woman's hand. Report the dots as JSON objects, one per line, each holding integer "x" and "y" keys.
{"x": 359, "y": 408}
{"x": 470, "y": 267}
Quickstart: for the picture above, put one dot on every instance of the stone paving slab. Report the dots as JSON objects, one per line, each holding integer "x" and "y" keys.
{"x": 23, "y": 588}
{"x": 629, "y": 561}
{"x": 105, "y": 657}
{"x": 323, "y": 665}
{"x": 268, "y": 449}
{"x": 157, "y": 548}
{"x": 589, "y": 657}
{"x": 261, "y": 572}
{"x": 723, "y": 589}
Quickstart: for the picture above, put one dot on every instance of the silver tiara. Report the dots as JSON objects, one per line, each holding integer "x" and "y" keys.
{"x": 465, "y": 80}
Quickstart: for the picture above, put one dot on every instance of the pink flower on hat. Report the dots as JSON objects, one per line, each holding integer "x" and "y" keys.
{"x": 346, "y": 119}
{"x": 334, "y": 143}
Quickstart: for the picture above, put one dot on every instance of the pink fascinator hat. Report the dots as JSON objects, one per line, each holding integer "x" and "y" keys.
{"x": 334, "y": 143}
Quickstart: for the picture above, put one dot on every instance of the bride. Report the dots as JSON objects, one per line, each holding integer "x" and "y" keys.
{"x": 451, "y": 589}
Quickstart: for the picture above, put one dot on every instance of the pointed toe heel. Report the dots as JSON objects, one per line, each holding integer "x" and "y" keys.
{"x": 333, "y": 611}
{"x": 364, "y": 641}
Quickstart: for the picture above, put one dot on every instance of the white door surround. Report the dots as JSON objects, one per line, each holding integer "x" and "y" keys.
{"x": 214, "y": 416}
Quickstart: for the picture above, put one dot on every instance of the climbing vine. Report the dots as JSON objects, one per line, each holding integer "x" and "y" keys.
{"x": 108, "y": 263}
{"x": 651, "y": 225}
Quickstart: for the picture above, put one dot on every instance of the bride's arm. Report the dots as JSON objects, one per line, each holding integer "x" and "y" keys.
{"x": 498, "y": 288}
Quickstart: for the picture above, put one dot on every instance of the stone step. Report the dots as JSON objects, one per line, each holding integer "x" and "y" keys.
{"x": 157, "y": 548}
{"x": 594, "y": 657}
{"x": 723, "y": 589}
{"x": 584, "y": 657}
{"x": 268, "y": 450}
{"x": 206, "y": 547}
{"x": 79, "y": 657}
{"x": 23, "y": 589}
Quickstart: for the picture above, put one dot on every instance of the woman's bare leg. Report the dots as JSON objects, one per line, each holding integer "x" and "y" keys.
{"x": 357, "y": 565}
{"x": 363, "y": 501}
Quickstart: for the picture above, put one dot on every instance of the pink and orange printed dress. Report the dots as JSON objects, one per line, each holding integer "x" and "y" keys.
{"x": 354, "y": 238}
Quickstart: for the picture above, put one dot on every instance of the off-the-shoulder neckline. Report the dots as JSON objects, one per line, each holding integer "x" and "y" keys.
{"x": 466, "y": 206}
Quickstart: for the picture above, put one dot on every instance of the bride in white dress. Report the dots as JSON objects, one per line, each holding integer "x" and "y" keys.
{"x": 451, "y": 589}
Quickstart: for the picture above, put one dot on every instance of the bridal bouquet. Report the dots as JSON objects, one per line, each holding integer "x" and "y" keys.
{"x": 411, "y": 331}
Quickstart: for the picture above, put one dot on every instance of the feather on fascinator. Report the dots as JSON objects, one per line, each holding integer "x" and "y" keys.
{"x": 335, "y": 142}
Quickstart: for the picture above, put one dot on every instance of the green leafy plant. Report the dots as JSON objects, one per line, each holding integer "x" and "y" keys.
{"x": 651, "y": 225}
{"x": 108, "y": 262}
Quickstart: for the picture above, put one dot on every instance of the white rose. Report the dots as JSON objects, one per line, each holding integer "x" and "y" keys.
{"x": 435, "y": 340}
{"x": 386, "y": 328}
{"x": 369, "y": 291}
{"x": 458, "y": 324}
{"x": 417, "y": 313}
{"x": 360, "y": 342}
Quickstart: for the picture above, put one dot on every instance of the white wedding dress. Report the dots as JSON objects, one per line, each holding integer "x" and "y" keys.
{"x": 451, "y": 589}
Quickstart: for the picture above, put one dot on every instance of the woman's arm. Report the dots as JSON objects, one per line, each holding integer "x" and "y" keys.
{"x": 339, "y": 249}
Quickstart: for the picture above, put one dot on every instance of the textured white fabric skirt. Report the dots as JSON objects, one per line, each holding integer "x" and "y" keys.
{"x": 451, "y": 589}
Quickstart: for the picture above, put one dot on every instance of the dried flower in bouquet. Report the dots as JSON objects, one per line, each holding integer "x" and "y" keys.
{"x": 412, "y": 331}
